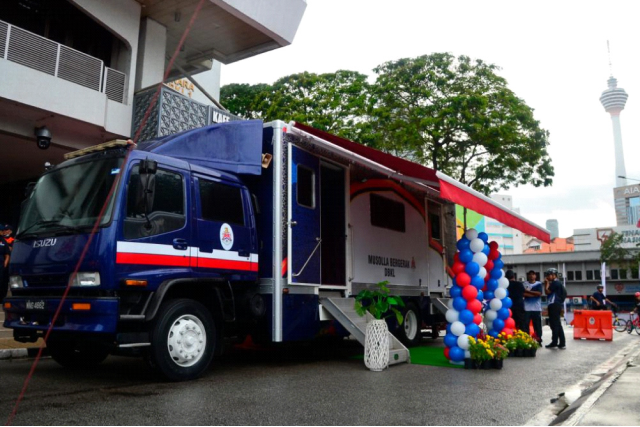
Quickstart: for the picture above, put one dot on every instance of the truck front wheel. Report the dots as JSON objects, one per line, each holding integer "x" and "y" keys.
{"x": 410, "y": 332}
{"x": 183, "y": 340}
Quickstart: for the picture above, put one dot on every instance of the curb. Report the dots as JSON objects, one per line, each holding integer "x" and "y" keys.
{"x": 21, "y": 353}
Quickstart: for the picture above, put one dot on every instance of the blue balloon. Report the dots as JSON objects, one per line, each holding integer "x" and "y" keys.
{"x": 506, "y": 296}
{"x": 493, "y": 332}
{"x": 498, "y": 264}
{"x": 450, "y": 340}
{"x": 480, "y": 296}
{"x": 454, "y": 281}
{"x": 466, "y": 256}
{"x": 499, "y": 256}
{"x": 486, "y": 249}
{"x": 472, "y": 330}
{"x": 488, "y": 295}
{"x": 463, "y": 244}
{"x": 466, "y": 316}
{"x": 492, "y": 285}
{"x": 459, "y": 303}
{"x": 498, "y": 324}
{"x": 449, "y": 329}
{"x": 503, "y": 313}
{"x": 506, "y": 302}
{"x": 483, "y": 236}
{"x": 477, "y": 281}
{"x": 472, "y": 269}
{"x": 456, "y": 354}
{"x": 455, "y": 291}
{"x": 496, "y": 273}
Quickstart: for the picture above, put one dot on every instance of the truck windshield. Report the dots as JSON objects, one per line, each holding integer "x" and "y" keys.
{"x": 69, "y": 200}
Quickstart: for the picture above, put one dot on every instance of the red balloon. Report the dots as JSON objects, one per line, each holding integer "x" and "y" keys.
{"x": 474, "y": 306}
{"x": 493, "y": 255}
{"x": 456, "y": 257}
{"x": 458, "y": 268}
{"x": 469, "y": 292}
{"x": 463, "y": 279}
{"x": 510, "y": 323}
{"x": 493, "y": 245}
{"x": 488, "y": 266}
{"x": 507, "y": 331}
{"x": 484, "y": 288}
{"x": 477, "y": 318}
{"x": 510, "y": 314}
{"x": 446, "y": 352}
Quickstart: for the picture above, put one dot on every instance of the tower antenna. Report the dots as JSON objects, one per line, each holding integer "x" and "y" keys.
{"x": 609, "y": 52}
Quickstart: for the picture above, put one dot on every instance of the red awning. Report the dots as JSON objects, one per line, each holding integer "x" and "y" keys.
{"x": 449, "y": 188}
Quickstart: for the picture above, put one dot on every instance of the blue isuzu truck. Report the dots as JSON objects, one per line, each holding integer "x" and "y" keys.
{"x": 235, "y": 229}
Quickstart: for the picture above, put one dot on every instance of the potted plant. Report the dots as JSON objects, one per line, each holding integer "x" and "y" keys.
{"x": 380, "y": 304}
{"x": 481, "y": 353}
{"x": 500, "y": 352}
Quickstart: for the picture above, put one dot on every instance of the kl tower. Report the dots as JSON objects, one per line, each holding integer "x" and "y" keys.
{"x": 613, "y": 100}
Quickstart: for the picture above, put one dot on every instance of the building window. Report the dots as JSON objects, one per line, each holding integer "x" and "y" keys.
{"x": 589, "y": 274}
{"x": 569, "y": 275}
{"x": 434, "y": 220}
{"x": 623, "y": 273}
{"x": 634, "y": 273}
{"x": 387, "y": 213}
{"x": 597, "y": 274}
{"x": 578, "y": 275}
{"x": 305, "y": 188}
{"x": 614, "y": 274}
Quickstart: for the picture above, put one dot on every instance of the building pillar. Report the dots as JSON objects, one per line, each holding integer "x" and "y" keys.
{"x": 151, "y": 54}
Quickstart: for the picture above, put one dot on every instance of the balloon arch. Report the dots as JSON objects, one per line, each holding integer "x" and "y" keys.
{"x": 478, "y": 277}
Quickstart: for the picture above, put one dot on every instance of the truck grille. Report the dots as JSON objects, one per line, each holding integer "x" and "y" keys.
{"x": 46, "y": 280}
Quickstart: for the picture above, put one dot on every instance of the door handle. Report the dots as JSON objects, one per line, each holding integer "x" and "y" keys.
{"x": 180, "y": 244}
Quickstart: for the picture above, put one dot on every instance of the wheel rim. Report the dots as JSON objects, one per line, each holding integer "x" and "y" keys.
{"x": 410, "y": 324}
{"x": 186, "y": 340}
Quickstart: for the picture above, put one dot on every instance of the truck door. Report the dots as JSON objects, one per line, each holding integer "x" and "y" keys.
{"x": 224, "y": 238}
{"x": 304, "y": 217}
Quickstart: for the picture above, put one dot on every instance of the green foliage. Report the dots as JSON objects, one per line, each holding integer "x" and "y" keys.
{"x": 612, "y": 252}
{"x": 458, "y": 116}
{"x": 239, "y": 98}
{"x": 379, "y": 303}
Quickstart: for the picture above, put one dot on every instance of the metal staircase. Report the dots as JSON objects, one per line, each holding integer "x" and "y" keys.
{"x": 441, "y": 304}
{"x": 342, "y": 310}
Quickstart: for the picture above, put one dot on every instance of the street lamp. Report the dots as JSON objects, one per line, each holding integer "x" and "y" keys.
{"x": 624, "y": 177}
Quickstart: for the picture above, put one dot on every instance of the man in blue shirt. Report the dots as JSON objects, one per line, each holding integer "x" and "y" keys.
{"x": 554, "y": 290}
{"x": 598, "y": 300}
{"x": 533, "y": 305}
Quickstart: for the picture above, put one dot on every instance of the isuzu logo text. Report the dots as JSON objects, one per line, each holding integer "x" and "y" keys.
{"x": 44, "y": 242}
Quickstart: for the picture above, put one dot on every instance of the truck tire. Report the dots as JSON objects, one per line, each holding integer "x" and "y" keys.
{"x": 72, "y": 354}
{"x": 410, "y": 332}
{"x": 183, "y": 340}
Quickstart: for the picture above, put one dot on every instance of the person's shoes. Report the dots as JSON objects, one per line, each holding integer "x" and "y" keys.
{"x": 551, "y": 346}
{"x": 562, "y": 347}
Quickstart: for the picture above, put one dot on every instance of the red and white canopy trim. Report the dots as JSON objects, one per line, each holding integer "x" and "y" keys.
{"x": 427, "y": 179}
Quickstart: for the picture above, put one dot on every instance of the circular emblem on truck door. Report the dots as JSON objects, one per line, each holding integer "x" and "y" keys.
{"x": 226, "y": 236}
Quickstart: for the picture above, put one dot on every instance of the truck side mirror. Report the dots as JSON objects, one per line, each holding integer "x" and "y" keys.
{"x": 146, "y": 192}
{"x": 29, "y": 189}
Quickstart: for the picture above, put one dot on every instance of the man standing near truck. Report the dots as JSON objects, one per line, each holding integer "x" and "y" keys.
{"x": 555, "y": 297}
{"x": 533, "y": 304}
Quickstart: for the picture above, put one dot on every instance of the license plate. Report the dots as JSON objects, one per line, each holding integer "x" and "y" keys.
{"x": 35, "y": 305}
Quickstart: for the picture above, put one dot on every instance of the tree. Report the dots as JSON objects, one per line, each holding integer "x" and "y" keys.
{"x": 458, "y": 116}
{"x": 333, "y": 102}
{"x": 613, "y": 253}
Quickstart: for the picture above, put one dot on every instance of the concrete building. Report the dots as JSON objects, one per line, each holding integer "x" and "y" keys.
{"x": 552, "y": 226}
{"x": 582, "y": 271}
{"x": 70, "y": 70}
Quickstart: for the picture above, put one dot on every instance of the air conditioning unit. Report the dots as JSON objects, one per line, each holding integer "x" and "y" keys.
{"x": 577, "y": 300}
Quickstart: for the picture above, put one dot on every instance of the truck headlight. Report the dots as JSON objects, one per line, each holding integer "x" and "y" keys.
{"x": 16, "y": 282}
{"x": 91, "y": 278}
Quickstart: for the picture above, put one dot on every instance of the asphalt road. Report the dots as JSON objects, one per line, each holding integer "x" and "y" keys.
{"x": 300, "y": 385}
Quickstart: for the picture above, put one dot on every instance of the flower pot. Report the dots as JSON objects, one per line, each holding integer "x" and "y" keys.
{"x": 519, "y": 352}
{"x": 469, "y": 364}
{"x": 486, "y": 365}
{"x": 497, "y": 363}
{"x": 528, "y": 352}
{"x": 376, "y": 345}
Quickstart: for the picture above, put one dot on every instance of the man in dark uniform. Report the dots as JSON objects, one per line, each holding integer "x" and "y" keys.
{"x": 5, "y": 256}
{"x": 599, "y": 300}
{"x": 516, "y": 293}
{"x": 555, "y": 291}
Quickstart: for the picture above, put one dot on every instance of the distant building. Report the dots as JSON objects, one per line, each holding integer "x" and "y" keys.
{"x": 509, "y": 239}
{"x": 559, "y": 244}
{"x": 552, "y": 226}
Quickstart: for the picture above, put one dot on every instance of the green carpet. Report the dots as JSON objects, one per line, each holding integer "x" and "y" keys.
{"x": 432, "y": 356}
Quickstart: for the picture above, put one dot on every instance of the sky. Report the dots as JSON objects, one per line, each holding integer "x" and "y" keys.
{"x": 552, "y": 53}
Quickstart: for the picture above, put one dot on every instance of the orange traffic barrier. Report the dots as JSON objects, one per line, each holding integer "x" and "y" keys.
{"x": 592, "y": 325}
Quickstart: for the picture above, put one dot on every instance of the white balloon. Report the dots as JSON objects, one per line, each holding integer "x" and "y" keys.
{"x": 467, "y": 354}
{"x": 483, "y": 272}
{"x": 500, "y": 293}
{"x": 490, "y": 315}
{"x": 476, "y": 245}
{"x": 480, "y": 258}
{"x": 501, "y": 274}
{"x": 471, "y": 234}
{"x": 503, "y": 283}
{"x": 489, "y": 324}
{"x": 452, "y": 315}
{"x": 463, "y": 341}
{"x": 450, "y": 304}
{"x": 457, "y": 328}
{"x": 495, "y": 304}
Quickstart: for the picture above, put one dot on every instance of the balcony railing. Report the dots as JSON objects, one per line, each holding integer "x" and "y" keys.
{"x": 34, "y": 51}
